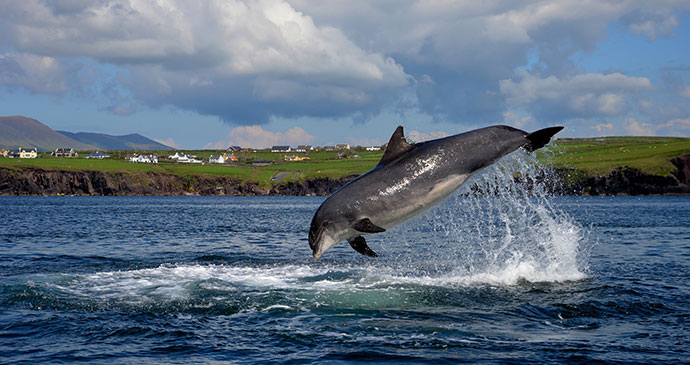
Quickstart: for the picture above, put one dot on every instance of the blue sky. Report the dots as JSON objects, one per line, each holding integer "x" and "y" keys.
{"x": 256, "y": 73}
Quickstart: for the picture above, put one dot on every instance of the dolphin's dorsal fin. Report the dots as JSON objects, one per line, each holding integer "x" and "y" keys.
{"x": 366, "y": 226}
{"x": 360, "y": 245}
{"x": 396, "y": 146}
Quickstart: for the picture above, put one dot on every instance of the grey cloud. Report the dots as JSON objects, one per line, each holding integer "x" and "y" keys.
{"x": 580, "y": 96}
{"x": 38, "y": 74}
{"x": 247, "y": 61}
{"x": 244, "y": 61}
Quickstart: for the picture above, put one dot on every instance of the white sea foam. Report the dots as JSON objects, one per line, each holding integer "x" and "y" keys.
{"x": 502, "y": 239}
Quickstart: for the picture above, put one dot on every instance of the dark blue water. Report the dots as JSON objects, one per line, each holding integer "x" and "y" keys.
{"x": 201, "y": 279}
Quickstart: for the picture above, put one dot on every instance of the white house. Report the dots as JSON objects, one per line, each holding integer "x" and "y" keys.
{"x": 216, "y": 159}
{"x": 176, "y": 156}
{"x": 98, "y": 155}
{"x": 373, "y": 148}
{"x": 27, "y": 153}
{"x": 343, "y": 146}
{"x": 182, "y": 158}
{"x": 144, "y": 159}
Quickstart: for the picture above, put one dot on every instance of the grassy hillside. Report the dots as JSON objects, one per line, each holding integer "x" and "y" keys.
{"x": 590, "y": 155}
{"x": 601, "y": 155}
{"x": 321, "y": 164}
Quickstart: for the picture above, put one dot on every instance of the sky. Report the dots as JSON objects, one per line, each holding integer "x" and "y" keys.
{"x": 214, "y": 73}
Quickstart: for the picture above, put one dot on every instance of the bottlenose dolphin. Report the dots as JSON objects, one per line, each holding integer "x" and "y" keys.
{"x": 409, "y": 179}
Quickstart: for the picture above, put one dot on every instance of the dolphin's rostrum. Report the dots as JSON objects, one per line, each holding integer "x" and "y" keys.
{"x": 409, "y": 179}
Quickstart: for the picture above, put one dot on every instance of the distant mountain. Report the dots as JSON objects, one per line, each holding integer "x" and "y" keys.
{"x": 109, "y": 143}
{"x": 17, "y": 131}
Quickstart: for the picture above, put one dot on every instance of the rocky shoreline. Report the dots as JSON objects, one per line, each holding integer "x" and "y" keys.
{"x": 35, "y": 181}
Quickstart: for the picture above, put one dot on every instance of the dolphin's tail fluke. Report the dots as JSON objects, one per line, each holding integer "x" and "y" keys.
{"x": 540, "y": 138}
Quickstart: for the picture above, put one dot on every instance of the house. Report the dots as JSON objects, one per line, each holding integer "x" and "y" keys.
{"x": 303, "y": 148}
{"x": 329, "y": 148}
{"x": 235, "y": 149}
{"x": 374, "y": 148}
{"x": 28, "y": 153}
{"x": 176, "y": 156}
{"x": 64, "y": 152}
{"x": 3, "y": 153}
{"x": 144, "y": 159}
{"x": 216, "y": 159}
{"x": 230, "y": 158}
{"x": 182, "y": 158}
{"x": 295, "y": 158}
{"x": 340, "y": 147}
{"x": 281, "y": 149}
{"x": 98, "y": 155}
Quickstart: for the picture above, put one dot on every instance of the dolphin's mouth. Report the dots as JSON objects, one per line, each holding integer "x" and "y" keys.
{"x": 315, "y": 242}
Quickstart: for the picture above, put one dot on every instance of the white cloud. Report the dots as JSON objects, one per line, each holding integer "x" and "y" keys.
{"x": 680, "y": 123}
{"x": 255, "y": 136}
{"x": 38, "y": 74}
{"x": 263, "y": 54}
{"x": 652, "y": 23}
{"x": 247, "y": 61}
{"x": 585, "y": 95}
{"x": 601, "y": 128}
{"x": 518, "y": 121}
{"x": 635, "y": 128}
{"x": 168, "y": 142}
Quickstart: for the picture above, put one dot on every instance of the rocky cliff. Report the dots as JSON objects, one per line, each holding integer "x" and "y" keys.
{"x": 34, "y": 181}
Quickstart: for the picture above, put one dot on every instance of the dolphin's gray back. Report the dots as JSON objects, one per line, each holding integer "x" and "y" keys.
{"x": 424, "y": 175}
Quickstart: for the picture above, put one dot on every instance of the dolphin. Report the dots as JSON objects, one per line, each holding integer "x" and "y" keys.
{"x": 409, "y": 179}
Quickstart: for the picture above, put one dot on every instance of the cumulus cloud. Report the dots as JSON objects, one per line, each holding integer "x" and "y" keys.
{"x": 652, "y": 23}
{"x": 255, "y": 136}
{"x": 671, "y": 127}
{"x": 168, "y": 142}
{"x": 247, "y": 61}
{"x": 586, "y": 95}
{"x": 38, "y": 74}
{"x": 516, "y": 120}
{"x": 636, "y": 128}
{"x": 244, "y": 61}
{"x": 680, "y": 123}
{"x": 603, "y": 127}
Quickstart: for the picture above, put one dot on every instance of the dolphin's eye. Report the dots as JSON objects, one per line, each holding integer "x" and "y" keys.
{"x": 325, "y": 224}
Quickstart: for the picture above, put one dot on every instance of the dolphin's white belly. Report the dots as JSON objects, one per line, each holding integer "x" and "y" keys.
{"x": 415, "y": 199}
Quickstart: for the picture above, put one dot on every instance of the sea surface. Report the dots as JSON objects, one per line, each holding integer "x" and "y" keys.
{"x": 507, "y": 278}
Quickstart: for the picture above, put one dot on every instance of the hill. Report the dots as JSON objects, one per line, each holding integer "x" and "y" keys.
{"x": 111, "y": 143}
{"x": 17, "y": 131}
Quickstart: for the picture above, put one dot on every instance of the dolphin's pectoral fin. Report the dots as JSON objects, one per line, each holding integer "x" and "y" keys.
{"x": 365, "y": 225}
{"x": 360, "y": 245}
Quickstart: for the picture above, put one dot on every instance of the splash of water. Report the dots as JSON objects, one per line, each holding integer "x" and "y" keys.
{"x": 508, "y": 233}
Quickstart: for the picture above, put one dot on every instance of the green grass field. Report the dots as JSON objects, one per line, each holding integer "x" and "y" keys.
{"x": 601, "y": 155}
{"x": 589, "y": 155}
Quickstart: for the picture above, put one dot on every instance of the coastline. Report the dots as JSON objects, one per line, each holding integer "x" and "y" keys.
{"x": 559, "y": 181}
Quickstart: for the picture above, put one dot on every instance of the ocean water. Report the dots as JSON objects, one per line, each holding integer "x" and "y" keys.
{"x": 512, "y": 277}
